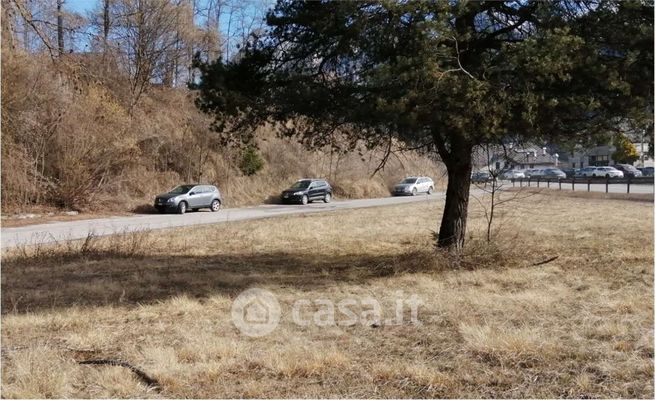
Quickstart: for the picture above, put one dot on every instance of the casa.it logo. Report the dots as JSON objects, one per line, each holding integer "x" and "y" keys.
{"x": 256, "y": 312}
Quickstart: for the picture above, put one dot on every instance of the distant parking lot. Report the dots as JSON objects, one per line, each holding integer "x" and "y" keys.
{"x": 595, "y": 185}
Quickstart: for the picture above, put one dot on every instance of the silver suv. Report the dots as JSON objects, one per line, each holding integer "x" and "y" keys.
{"x": 189, "y": 197}
{"x": 413, "y": 185}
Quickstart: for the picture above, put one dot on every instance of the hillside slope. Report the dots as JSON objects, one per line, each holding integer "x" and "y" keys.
{"x": 69, "y": 140}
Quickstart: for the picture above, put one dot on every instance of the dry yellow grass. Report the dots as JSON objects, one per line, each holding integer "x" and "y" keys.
{"x": 579, "y": 326}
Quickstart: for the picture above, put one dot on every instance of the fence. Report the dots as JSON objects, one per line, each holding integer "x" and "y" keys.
{"x": 586, "y": 181}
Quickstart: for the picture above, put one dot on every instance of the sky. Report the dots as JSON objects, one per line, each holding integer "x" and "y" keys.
{"x": 80, "y": 6}
{"x": 253, "y": 9}
{"x": 83, "y": 6}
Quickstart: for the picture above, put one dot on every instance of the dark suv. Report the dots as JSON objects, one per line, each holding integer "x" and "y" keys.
{"x": 628, "y": 170}
{"x": 307, "y": 190}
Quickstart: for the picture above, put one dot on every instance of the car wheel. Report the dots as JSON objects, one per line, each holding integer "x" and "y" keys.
{"x": 215, "y": 206}
{"x": 327, "y": 198}
{"x": 414, "y": 192}
{"x": 305, "y": 199}
{"x": 430, "y": 190}
{"x": 181, "y": 208}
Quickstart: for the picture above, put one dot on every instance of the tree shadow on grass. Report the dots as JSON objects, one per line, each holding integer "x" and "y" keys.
{"x": 112, "y": 280}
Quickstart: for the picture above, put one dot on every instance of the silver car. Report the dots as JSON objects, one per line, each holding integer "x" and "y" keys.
{"x": 513, "y": 174}
{"x": 607, "y": 172}
{"x": 412, "y": 185}
{"x": 189, "y": 197}
{"x": 534, "y": 172}
{"x": 555, "y": 173}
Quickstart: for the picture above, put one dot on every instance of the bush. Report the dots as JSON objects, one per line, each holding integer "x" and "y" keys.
{"x": 626, "y": 152}
{"x": 251, "y": 161}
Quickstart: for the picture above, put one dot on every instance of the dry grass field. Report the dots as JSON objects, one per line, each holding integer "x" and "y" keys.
{"x": 499, "y": 326}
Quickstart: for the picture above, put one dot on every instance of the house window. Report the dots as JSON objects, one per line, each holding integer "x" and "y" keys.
{"x": 599, "y": 161}
{"x": 572, "y": 165}
{"x": 497, "y": 165}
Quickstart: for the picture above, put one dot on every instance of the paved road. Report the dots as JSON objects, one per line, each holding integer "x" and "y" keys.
{"x": 63, "y": 231}
{"x": 594, "y": 187}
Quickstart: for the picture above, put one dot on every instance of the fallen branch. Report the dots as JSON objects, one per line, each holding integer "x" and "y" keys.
{"x": 545, "y": 261}
{"x": 117, "y": 363}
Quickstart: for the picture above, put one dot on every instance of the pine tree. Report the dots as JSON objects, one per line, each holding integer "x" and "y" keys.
{"x": 440, "y": 76}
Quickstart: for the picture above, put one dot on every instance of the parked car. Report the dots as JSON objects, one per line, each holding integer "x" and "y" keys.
{"x": 534, "y": 172}
{"x": 628, "y": 170}
{"x": 412, "y": 185}
{"x": 602, "y": 172}
{"x": 481, "y": 177}
{"x": 583, "y": 172}
{"x": 646, "y": 171}
{"x": 553, "y": 173}
{"x": 307, "y": 190}
{"x": 513, "y": 174}
{"x": 570, "y": 172}
{"x": 189, "y": 197}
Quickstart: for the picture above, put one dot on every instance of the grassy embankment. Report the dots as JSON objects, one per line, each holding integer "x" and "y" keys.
{"x": 579, "y": 326}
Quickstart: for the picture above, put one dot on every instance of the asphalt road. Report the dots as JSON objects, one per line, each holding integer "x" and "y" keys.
{"x": 71, "y": 230}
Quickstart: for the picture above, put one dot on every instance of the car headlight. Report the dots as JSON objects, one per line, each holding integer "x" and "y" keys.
{"x": 171, "y": 200}
{"x": 297, "y": 193}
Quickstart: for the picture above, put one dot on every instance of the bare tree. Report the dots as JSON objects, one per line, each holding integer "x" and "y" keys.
{"x": 60, "y": 27}
{"x": 8, "y": 24}
{"x": 33, "y": 24}
{"x": 232, "y": 21}
{"x": 105, "y": 20}
{"x": 494, "y": 186}
{"x": 145, "y": 32}
{"x": 46, "y": 25}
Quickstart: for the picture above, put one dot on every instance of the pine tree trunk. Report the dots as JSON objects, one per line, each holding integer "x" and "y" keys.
{"x": 452, "y": 231}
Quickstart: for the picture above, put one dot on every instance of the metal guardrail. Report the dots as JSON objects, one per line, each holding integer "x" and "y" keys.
{"x": 582, "y": 181}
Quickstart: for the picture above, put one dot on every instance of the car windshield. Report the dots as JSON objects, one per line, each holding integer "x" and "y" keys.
{"x": 408, "y": 180}
{"x": 301, "y": 185}
{"x": 181, "y": 189}
{"x": 629, "y": 168}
